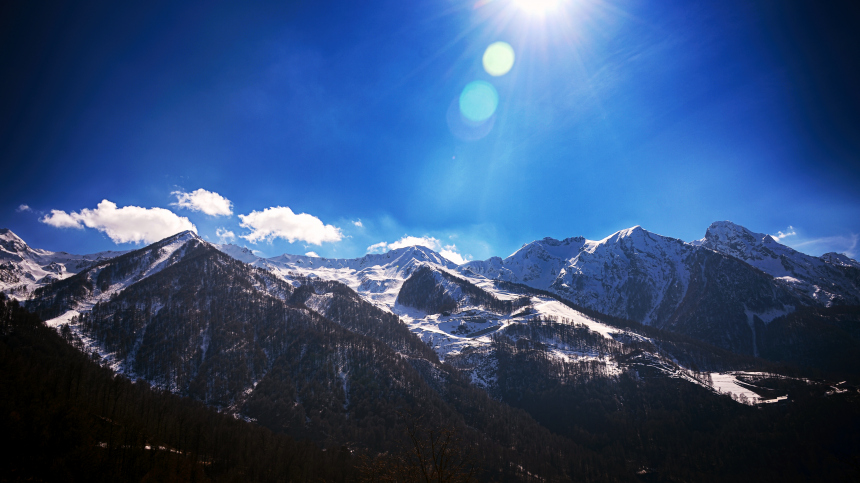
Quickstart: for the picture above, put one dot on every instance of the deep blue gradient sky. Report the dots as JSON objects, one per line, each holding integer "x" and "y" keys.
{"x": 667, "y": 114}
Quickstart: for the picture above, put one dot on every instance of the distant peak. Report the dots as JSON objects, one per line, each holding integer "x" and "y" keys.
{"x": 725, "y": 224}
{"x": 628, "y": 232}
{"x": 729, "y": 230}
{"x": 574, "y": 239}
{"x": 7, "y": 236}
{"x": 840, "y": 259}
{"x": 727, "y": 227}
{"x": 413, "y": 249}
{"x": 182, "y": 236}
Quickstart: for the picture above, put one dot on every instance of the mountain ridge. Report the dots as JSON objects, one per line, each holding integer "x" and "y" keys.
{"x": 717, "y": 289}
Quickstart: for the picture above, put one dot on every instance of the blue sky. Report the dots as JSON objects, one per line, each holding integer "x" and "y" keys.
{"x": 667, "y": 114}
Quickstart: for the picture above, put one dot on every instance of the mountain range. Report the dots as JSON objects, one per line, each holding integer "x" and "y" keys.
{"x": 332, "y": 349}
{"x": 726, "y": 289}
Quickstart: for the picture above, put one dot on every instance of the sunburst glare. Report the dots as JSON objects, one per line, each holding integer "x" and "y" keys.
{"x": 538, "y": 7}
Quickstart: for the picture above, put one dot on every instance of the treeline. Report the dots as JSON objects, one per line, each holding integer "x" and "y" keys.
{"x": 426, "y": 290}
{"x": 68, "y": 419}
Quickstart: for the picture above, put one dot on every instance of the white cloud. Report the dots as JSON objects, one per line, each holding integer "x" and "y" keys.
{"x": 224, "y": 235}
{"x": 61, "y": 219}
{"x": 123, "y": 225}
{"x": 406, "y": 241}
{"x": 448, "y": 251}
{"x": 358, "y": 223}
{"x": 281, "y": 222}
{"x": 23, "y": 208}
{"x": 414, "y": 241}
{"x": 312, "y": 254}
{"x": 380, "y": 247}
{"x": 208, "y": 202}
{"x": 788, "y": 232}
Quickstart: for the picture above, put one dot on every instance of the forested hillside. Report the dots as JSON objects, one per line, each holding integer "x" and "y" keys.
{"x": 69, "y": 419}
{"x": 437, "y": 291}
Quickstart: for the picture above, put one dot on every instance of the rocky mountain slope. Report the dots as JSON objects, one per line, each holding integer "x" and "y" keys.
{"x": 23, "y": 269}
{"x": 716, "y": 289}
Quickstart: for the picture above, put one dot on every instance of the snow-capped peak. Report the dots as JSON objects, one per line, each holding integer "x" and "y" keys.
{"x": 633, "y": 231}
{"x": 754, "y": 248}
{"x": 565, "y": 249}
{"x": 243, "y": 254}
{"x": 840, "y": 259}
{"x": 819, "y": 278}
{"x": 8, "y": 236}
{"x": 10, "y": 243}
{"x": 735, "y": 240}
{"x": 182, "y": 236}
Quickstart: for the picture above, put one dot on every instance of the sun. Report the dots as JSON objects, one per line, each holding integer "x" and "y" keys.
{"x": 537, "y": 7}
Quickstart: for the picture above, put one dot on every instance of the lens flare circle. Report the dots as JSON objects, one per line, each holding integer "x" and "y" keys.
{"x": 464, "y": 128}
{"x": 498, "y": 58}
{"x": 478, "y": 101}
